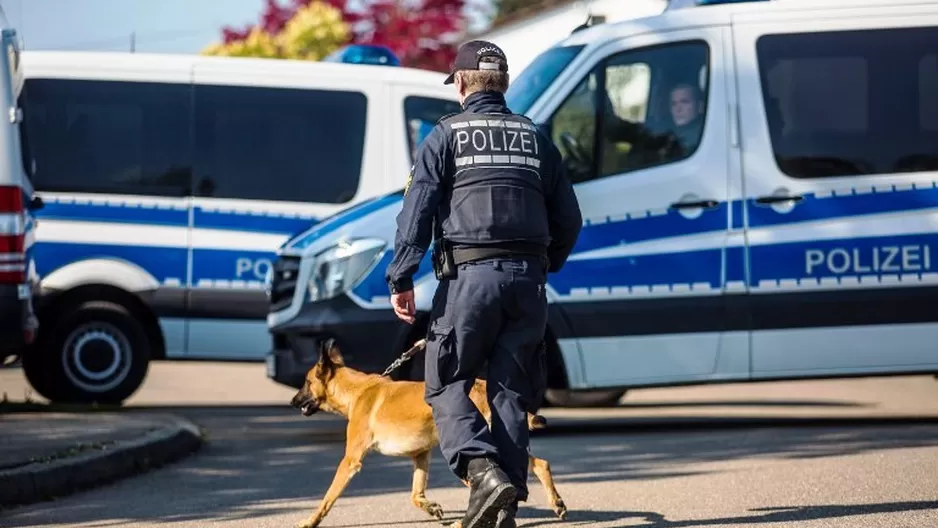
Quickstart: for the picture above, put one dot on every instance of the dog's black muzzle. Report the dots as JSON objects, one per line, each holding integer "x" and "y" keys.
{"x": 305, "y": 403}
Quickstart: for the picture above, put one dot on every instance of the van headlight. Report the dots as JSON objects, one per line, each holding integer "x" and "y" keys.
{"x": 338, "y": 269}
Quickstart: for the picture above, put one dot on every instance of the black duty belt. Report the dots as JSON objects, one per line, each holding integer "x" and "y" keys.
{"x": 461, "y": 255}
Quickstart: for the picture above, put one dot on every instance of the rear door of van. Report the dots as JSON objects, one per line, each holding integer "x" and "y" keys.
{"x": 840, "y": 125}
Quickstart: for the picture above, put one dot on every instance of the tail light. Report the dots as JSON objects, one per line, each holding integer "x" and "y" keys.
{"x": 12, "y": 236}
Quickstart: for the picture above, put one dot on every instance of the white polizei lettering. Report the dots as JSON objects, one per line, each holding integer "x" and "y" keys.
{"x": 524, "y": 141}
{"x": 883, "y": 259}
{"x": 910, "y": 253}
{"x": 476, "y": 134}
{"x": 462, "y": 137}
{"x": 514, "y": 138}
{"x": 846, "y": 260}
{"x": 492, "y": 145}
{"x": 857, "y": 268}
{"x": 813, "y": 257}
{"x": 891, "y": 252}
{"x": 242, "y": 265}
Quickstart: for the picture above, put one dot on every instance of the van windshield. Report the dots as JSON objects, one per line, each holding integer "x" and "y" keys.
{"x": 534, "y": 80}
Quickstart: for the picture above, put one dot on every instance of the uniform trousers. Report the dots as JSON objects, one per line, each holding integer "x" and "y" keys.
{"x": 488, "y": 322}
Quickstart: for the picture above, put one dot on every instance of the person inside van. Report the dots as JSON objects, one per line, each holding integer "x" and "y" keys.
{"x": 687, "y": 111}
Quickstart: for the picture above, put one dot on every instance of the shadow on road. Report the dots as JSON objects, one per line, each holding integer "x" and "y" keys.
{"x": 774, "y": 515}
{"x": 265, "y": 461}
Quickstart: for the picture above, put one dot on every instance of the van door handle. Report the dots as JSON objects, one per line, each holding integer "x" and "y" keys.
{"x": 768, "y": 200}
{"x": 702, "y": 204}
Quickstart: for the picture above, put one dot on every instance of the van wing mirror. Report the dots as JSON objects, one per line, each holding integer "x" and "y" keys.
{"x": 36, "y": 204}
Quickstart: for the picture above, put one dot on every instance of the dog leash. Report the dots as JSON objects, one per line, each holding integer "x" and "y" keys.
{"x": 401, "y": 360}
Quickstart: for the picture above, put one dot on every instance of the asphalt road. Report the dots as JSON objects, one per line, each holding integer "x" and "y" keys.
{"x": 858, "y": 453}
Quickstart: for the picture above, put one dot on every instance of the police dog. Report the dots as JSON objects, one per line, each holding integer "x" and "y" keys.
{"x": 392, "y": 418}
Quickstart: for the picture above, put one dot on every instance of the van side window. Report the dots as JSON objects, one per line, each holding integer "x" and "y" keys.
{"x": 258, "y": 143}
{"x": 421, "y": 114}
{"x": 108, "y": 137}
{"x": 851, "y": 103}
{"x": 653, "y": 109}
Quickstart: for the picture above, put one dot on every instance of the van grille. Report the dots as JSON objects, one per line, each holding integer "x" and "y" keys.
{"x": 283, "y": 282}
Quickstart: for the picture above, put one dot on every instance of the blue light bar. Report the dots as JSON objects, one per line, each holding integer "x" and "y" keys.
{"x": 364, "y": 54}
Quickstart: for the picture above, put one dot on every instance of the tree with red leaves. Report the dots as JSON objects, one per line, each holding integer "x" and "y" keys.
{"x": 422, "y": 33}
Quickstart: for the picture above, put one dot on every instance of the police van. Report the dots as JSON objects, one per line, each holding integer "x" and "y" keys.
{"x": 759, "y": 187}
{"x": 169, "y": 182}
{"x": 18, "y": 204}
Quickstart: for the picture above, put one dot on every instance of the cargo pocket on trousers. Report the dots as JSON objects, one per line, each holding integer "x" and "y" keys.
{"x": 441, "y": 357}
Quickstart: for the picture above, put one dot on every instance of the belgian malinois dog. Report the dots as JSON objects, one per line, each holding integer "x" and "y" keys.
{"x": 392, "y": 418}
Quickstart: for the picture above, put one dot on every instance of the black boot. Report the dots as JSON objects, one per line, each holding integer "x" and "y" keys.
{"x": 506, "y": 517}
{"x": 490, "y": 491}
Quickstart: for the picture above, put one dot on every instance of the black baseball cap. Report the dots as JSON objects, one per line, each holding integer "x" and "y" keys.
{"x": 469, "y": 55}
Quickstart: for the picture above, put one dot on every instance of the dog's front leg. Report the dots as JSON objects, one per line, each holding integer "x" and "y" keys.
{"x": 348, "y": 467}
{"x": 542, "y": 470}
{"x": 418, "y": 492}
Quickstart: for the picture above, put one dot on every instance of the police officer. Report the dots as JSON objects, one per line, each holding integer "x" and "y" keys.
{"x": 489, "y": 190}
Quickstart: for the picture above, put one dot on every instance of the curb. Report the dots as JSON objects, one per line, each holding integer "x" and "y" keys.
{"x": 40, "y": 481}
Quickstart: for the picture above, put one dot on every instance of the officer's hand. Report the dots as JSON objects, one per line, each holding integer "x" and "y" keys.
{"x": 403, "y": 304}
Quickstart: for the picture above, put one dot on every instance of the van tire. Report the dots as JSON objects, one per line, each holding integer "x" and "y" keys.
{"x": 117, "y": 360}
{"x": 588, "y": 398}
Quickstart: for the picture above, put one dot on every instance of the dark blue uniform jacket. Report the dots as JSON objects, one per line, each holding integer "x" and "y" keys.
{"x": 488, "y": 176}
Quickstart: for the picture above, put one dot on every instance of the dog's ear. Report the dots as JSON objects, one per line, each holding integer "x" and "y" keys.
{"x": 329, "y": 354}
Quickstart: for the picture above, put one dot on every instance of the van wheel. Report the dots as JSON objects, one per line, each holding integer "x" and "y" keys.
{"x": 590, "y": 398}
{"x": 94, "y": 353}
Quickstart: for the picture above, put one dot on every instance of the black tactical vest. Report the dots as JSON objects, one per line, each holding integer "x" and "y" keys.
{"x": 496, "y": 186}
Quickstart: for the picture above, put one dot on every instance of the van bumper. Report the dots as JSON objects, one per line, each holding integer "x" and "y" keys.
{"x": 369, "y": 339}
{"x": 18, "y": 322}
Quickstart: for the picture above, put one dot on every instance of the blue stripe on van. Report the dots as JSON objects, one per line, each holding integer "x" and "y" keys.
{"x": 646, "y": 227}
{"x": 160, "y": 262}
{"x": 148, "y": 215}
{"x": 124, "y": 214}
{"x": 230, "y": 265}
{"x": 257, "y": 222}
{"x": 643, "y": 272}
{"x": 812, "y": 208}
{"x": 846, "y": 258}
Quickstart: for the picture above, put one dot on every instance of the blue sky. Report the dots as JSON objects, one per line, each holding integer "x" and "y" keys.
{"x": 161, "y": 26}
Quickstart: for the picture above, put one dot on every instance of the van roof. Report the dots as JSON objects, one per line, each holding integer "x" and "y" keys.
{"x": 719, "y": 14}
{"x": 155, "y": 66}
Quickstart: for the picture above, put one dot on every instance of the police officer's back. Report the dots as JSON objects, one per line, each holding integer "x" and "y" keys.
{"x": 489, "y": 187}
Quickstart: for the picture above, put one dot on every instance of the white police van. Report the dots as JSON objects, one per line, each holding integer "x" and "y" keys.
{"x": 18, "y": 203}
{"x": 169, "y": 183}
{"x": 777, "y": 220}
